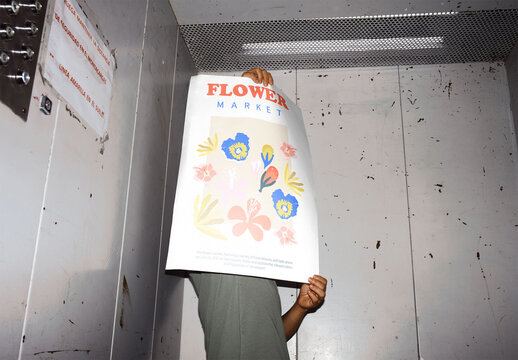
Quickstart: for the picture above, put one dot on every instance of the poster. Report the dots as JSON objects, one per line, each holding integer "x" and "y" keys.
{"x": 79, "y": 66}
{"x": 244, "y": 200}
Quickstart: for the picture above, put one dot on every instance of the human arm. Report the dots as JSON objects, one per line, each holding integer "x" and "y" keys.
{"x": 258, "y": 76}
{"x": 311, "y": 296}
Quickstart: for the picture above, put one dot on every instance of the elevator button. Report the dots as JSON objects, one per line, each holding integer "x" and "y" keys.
{"x": 45, "y": 105}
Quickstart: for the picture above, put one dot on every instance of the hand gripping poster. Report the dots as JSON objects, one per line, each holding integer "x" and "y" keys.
{"x": 244, "y": 201}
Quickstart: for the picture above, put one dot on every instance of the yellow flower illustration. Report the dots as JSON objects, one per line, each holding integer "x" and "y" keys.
{"x": 283, "y": 208}
{"x": 208, "y": 145}
{"x": 204, "y": 217}
{"x": 291, "y": 181}
{"x": 238, "y": 150}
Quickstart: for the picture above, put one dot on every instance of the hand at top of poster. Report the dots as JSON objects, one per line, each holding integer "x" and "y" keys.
{"x": 259, "y": 75}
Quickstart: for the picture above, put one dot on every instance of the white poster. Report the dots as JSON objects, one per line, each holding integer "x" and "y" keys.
{"x": 244, "y": 200}
{"x": 79, "y": 66}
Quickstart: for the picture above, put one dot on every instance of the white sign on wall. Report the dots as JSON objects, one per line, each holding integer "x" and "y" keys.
{"x": 79, "y": 65}
{"x": 244, "y": 200}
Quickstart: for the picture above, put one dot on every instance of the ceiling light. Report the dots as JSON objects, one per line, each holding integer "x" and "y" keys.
{"x": 331, "y": 46}
{"x": 400, "y": 15}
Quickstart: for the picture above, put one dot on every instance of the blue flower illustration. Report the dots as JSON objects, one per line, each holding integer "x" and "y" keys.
{"x": 285, "y": 205}
{"x": 237, "y": 148}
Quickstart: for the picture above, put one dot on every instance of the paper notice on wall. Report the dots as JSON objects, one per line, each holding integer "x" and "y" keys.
{"x": 79, "y": 65}
{"x": 244, "y": 201}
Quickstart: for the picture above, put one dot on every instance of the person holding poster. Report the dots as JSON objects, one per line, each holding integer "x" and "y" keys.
{"x": 241, "y": 315}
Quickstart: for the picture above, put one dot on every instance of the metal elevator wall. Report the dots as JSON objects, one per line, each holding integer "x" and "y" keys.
{"x": 511, "y": 65}
{"x": 416, "y": 173}
{"x": 81, "y": 275}
{"x": 85, "y": 225}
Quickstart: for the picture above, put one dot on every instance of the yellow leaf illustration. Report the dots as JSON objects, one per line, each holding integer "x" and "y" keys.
{"x": 291, "y": 181}
{"x": 204, "y": 217}
{"x": 208, "y": 145}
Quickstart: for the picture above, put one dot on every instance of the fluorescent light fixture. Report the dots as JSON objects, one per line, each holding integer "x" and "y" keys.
{"x": 332, "y": 46}
{"x": 388, "y": 16}
{"x": 400, "y": 15}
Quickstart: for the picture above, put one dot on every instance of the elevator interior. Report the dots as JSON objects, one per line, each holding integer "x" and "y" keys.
{"x": 409, "y": 115}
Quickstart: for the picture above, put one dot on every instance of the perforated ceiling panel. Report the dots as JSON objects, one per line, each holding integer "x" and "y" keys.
{"x": 356, "y": 41}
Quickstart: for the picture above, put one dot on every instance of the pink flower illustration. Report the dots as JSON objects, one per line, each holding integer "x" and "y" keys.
{"x": 231, "y": 188}
{"x": 249, "y": 221}
{"x": 286, "y": 236}
{"x": 288, "y": 150}
{"x": 257, "y": 167}
{"x": 205, "y": 172}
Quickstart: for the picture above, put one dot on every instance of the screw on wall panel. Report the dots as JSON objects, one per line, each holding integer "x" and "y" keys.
{"x": 26, "y": 52}
{"x": 12, "y": 7}
{"x": 30, "y": 27}
{"x": 35, "y": 6}
{"x": 4, "y": 58}
{"x": 6, "y": 31}
{"x": 46, "y": 106}
{"x": 22, "y": 77}
{"x": 21, "y": 24}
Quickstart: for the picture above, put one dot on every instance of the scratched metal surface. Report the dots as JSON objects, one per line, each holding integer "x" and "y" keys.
{"x": 73, "y": 285}
{"x": 168, "y": 316}
{"x": 142, "y": 235}
{"x": 24, "y": 155}
{"x": 353, "y": 122}
{"x": 459, "y": 139}
{"x": 192, "y": 341}
{"x": 462, "y": 175}
{"x": 511, "y": 66}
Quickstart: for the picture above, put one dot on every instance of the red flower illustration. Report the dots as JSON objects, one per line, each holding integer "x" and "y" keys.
{"x": 205, "y": 172}
{"x": 252, "y": 208}
{"x": 288, "y": 150}
{"x": 286, "y": 236}
{"x": 269, "y": 177}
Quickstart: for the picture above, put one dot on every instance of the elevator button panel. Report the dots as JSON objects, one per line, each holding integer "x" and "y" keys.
{"x": 21, "y": 23}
